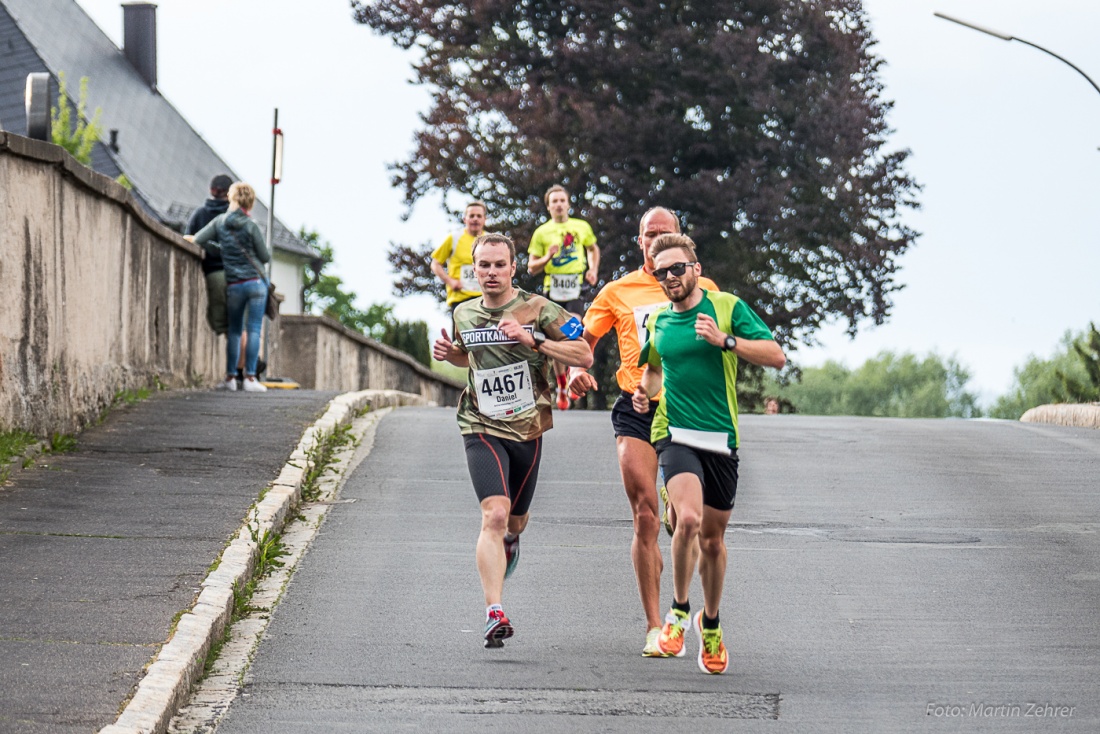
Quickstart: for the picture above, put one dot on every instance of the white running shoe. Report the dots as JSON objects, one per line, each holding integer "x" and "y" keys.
{"x": 251, "y": 384}
{"x": 229, "y": 385}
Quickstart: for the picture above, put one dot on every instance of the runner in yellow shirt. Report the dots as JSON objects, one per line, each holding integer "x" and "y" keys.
{"x": 625, "y": 305}
{"x": 565, "y": 250}
{"x": 453, "y": 260}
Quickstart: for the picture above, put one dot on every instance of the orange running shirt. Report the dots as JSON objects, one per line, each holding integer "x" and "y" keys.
{"x": 624, "y": 305}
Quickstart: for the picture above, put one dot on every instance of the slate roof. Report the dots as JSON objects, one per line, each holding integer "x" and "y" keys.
{"x": 168, "y": 163}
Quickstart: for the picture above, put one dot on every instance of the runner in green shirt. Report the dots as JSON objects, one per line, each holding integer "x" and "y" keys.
{"x": 692, "y": 351}
{"x": 507, "y": 338}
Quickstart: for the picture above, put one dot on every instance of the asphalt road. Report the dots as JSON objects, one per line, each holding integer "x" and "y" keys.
{"x": 885, "y": 576}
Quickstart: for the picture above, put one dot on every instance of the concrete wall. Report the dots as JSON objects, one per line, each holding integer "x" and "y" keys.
{"x": 322, "y": 354}
{"x": 100, "y": 297}
{"x": 1085, "y": 415}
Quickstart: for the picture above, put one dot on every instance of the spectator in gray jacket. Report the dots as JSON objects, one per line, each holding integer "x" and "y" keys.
{"x": 237, "y": 238}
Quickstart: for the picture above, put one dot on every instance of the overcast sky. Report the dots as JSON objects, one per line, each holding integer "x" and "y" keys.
{"x": 1004, "y": 139}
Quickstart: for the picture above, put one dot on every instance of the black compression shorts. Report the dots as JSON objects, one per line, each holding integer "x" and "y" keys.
{"x": 628, "y": 423}
{"x": 717, "y": 473}
{"x": 502, "y": 468}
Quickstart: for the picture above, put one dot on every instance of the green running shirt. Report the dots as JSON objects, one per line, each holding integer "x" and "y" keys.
{"x": 700, "y": 379}
{"x": 573, "y": 237}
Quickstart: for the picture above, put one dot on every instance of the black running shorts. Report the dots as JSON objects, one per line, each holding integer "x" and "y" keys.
{"x": 717, "y": 473}
{"x": 627, "y": 422}
{"x": 499, "y": 467}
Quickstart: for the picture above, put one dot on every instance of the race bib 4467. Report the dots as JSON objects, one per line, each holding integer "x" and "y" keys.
{"x": 504, "y": 391}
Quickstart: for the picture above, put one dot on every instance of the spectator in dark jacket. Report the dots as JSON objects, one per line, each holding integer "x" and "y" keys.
{"x": 241, "y": 245}
{"x": 212, "y": 267}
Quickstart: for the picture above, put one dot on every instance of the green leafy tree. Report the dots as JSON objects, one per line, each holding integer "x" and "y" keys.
{"x": 74, "y": 131}
{"x": 1075, "y": 389}
{"x": 902, "y": 386}
{"x": 1037, "y": 381}
{"x": 326, "y": 294}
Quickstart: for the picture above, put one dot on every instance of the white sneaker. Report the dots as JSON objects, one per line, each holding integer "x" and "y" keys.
{"x": 251, "y": 384}
{"x": 230, "y": 385}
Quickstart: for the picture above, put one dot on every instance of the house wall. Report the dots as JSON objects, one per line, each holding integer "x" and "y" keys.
{"x": 100, "y": 297}
{"x": 286, "y": 274}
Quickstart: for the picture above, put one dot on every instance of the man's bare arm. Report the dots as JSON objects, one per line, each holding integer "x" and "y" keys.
{"x": 440, "y": 272}
{"x": 580, "y": 382}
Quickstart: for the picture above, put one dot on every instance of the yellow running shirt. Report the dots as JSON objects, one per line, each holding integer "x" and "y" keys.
{"x": 624, "y": 305}
{"x": 458, "y": 258}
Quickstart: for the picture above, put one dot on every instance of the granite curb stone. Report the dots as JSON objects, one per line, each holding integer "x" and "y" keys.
{"x": 179, "y": 663}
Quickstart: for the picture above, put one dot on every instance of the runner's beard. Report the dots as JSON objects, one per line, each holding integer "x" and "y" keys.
{"x": 686, "y": 289}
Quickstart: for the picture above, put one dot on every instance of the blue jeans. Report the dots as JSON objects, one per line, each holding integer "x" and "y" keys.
{"x": 251, "y": 295}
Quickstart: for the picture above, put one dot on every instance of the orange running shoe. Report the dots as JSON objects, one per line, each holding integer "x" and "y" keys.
{"x": 712, "y": 652}
{"x": 563, "y": 398}
{"x": 671, "y": 639}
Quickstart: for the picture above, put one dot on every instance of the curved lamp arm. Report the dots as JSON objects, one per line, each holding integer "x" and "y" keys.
{"x": 1006, "y": 37}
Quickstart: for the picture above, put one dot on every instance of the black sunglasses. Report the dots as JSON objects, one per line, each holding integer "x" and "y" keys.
{"x": 677, "y": 270}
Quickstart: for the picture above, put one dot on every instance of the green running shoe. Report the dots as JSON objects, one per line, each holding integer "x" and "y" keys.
{"x": 665, "y": 519}
{"x": 511, "y": 553}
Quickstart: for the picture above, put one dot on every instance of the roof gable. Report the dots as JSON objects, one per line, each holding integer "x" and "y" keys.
{"x": 166, "y": 160}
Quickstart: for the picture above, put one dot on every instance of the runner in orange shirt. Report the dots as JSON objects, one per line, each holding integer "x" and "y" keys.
{"x": 624, "y": 305}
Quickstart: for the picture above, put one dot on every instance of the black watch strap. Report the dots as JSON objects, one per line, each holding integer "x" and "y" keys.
{"x": 730, "y": 344}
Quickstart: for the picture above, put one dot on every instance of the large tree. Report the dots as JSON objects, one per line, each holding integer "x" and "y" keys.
{"x": 761, "y": 121}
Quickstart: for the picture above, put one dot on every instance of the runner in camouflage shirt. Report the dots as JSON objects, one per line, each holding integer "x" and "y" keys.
{"x": 507, "y": 338}
{"x": 512, "y": 375}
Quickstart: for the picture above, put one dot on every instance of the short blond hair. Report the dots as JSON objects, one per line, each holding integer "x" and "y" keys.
{"x": 552, "y": 189}
{"x": 672, "y": 242}
{"x": 242, "y": 195}
{"x": 493, "y": 238}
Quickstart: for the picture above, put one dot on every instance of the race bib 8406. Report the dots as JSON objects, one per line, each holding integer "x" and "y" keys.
{"x": 565, "y": 287}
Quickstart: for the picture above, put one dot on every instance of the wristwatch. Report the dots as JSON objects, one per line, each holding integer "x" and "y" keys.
{"x": 539, "y": 338}
{"x": 729, "y": 344}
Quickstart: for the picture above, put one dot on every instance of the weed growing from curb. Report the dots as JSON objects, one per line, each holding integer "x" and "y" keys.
{"x": 321, "y": 458}
{"x": 270, "y": 550}
{"x": 269, "y": 545}
{"x": 61, "y": 443}
{"x": 13, "y": 444}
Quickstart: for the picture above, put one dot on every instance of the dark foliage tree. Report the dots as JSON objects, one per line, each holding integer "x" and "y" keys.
{"x": 761, "y": 121}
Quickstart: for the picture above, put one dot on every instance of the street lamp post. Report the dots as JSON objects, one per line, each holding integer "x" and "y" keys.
{"x": 1006, "y": 37}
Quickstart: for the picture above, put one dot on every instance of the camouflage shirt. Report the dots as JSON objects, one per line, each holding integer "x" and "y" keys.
{"x": 508, "y": 389}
